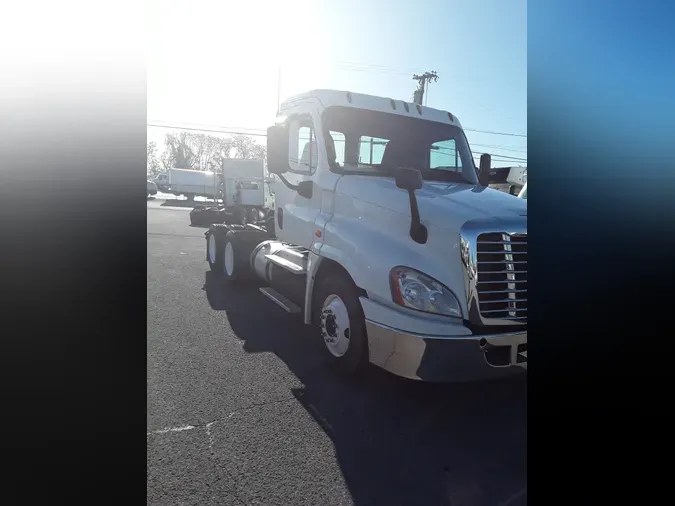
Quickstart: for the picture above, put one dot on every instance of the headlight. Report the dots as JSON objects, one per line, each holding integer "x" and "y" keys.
{"x": 414, "y": 290}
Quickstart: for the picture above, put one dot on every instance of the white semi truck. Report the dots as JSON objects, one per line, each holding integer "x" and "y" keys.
{"x": 386, "y": 239}
{"x": 245, "y": 195}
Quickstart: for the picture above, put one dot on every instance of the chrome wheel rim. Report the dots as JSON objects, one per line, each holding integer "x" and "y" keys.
{"x": 212, "y": 249}
{"x": 335, "y": 329}
{"x": 229, "y": 259}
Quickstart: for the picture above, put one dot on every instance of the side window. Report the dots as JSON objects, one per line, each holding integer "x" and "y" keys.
{"x": 371, "y": 150}
{"x": 302, "y": 152}
{"x": 444, "y": 155}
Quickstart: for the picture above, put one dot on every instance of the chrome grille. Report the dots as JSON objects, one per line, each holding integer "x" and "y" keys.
{"x": 501, "y": 286}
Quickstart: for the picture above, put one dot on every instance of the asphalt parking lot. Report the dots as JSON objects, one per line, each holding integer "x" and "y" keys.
{"x": 242, "y": 411}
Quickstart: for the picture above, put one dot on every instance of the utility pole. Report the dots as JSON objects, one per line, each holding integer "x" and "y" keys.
{"x": 423, "y": 82}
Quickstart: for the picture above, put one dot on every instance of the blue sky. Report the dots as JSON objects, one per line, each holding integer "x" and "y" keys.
{"x": 478, "y": 48}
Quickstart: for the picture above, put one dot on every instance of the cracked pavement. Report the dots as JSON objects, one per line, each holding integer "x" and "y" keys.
{"x": 242, "y": 411}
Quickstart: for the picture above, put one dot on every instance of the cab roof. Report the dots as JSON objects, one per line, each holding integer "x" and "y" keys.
{"x": 329, "y": 98}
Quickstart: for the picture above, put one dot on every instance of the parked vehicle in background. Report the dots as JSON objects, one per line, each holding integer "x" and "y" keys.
{"x": 190, "y": 183}
{"x": 245, "y": 190}
{"x": 152, "y": 188}
{"x": 244, "y": 195}
{"x": 162, "y": 181}
{"x": 387, "y": 240}
{"x": 508, "y": 179}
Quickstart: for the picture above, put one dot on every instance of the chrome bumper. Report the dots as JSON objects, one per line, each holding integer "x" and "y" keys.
{"x": 446, "y": 358}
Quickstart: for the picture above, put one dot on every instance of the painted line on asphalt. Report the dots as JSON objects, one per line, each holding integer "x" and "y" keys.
{"x": 171, "y": 429}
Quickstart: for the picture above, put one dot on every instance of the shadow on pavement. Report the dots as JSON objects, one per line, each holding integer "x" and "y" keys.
{"x": 397, "y": 441}
{"x": 180, "y": 203}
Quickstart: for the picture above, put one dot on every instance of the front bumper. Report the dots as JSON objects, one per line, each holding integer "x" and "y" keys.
{"x": 458, "y": 356}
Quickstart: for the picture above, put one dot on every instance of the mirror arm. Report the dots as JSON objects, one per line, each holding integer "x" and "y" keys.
{"x": 304, "y": 188}
{"x": 418, "y": 232}
{"x": 288, "y": 184}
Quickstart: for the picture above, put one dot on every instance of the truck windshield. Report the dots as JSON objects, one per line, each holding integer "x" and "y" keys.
{"x": 376, "y": 143}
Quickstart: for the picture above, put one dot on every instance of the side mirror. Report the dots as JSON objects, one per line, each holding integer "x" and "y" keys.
{"x": 484, "y": 169}
{"x": 277, "y": 149}
{"x": 408, "y": 179}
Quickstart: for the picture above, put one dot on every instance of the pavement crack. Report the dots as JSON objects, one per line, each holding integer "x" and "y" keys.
{"x": 210, "y": 435}
{"x": 210, "y": 424}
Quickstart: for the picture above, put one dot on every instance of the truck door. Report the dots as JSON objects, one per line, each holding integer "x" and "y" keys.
{"x": 295, "y": 215}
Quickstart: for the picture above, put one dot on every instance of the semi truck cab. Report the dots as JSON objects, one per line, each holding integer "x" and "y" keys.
{"x": 387, "y": 240}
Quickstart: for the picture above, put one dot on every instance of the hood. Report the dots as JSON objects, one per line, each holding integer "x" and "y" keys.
{"x": 443, "y": 205}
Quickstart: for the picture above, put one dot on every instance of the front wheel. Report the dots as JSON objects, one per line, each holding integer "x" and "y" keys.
{"x": 342, "y": 326}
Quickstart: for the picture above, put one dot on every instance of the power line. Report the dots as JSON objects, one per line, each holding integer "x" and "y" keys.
{"x": 376, "y": 66}
{"x": 210, "y": 129}
{"x": 495, "y": 133}
{"x": 201, "y": 126}
{"x": 503, "y": 148}
{"x": 495, "y": 155}
{"x": 260, "y": 134}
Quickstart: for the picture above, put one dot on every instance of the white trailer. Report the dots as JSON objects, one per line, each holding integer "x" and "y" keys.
{"x": 399, "y": 256}
{"x": 191, "y": 183}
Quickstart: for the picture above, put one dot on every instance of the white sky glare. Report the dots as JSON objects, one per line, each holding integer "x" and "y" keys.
{"x": 216, "y": 63}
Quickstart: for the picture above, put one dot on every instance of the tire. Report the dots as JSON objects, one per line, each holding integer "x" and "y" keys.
{"x": 215, "y": 249}
{"x": 334, "y": 295}
{"x": 237, "y": 248}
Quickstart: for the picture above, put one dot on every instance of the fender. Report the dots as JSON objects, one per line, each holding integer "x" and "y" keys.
{"x": 368, "y": 254}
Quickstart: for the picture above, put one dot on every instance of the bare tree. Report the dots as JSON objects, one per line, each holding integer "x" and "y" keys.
{"x": 242, "y": 146}
{"x": 187, "y": 150}
{"x": 154, "y": 167}
{"x": 259, "y": 152}
{"x": 179, "y": 151}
